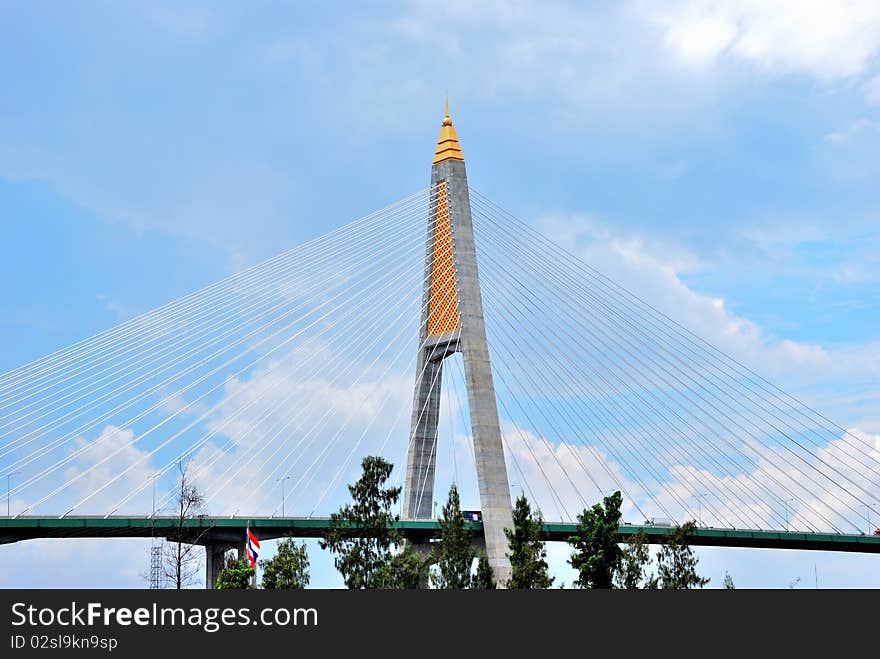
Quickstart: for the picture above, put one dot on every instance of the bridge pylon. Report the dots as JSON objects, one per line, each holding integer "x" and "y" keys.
{"x": 452, "y": 321}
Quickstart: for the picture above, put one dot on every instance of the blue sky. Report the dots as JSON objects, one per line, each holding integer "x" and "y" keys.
{"x": 717, "y": 158}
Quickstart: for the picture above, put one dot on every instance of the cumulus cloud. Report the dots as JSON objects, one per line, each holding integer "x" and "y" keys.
{"x": 773, "y": 491}
{"x": 828, "y": 40}
{"x": 92, "y": 465}
{"x": 654, "y": 271}
{"x": 308, "y": 415}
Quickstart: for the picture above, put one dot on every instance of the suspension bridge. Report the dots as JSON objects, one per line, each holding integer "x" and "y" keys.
{"x": 454, "y": 339}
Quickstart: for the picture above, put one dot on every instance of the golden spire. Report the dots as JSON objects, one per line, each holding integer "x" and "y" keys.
{"x": 447, "y": 142}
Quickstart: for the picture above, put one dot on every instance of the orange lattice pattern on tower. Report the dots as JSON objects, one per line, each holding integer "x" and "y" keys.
{"x": 443, "y": 301}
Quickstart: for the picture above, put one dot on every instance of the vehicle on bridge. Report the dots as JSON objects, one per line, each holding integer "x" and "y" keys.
{"x": 472, "y": 515}
{"x": 660, "y": 521}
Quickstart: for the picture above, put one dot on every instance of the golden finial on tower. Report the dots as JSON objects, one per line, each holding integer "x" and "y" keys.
{"x": 447, "y": 142}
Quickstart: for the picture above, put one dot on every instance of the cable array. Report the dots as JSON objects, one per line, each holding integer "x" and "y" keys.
{"x": 269, "y": 385}
{"x": 609, "y": 393}
{"x": 275, "y": 372}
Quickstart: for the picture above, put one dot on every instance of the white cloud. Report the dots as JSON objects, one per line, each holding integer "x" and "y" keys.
{"x": 771, "y": 491}
{"x": 75, "y": 563}
{"x": 119, "y": 311}
{"x": 562, "y": 478}
{"x": 700, "y": 39}
{"x": 114, "y": 451}
{"x": 300, "y": 416}
{"x": 599, "y": 66}
{"x": 859, "y": 270}
{"x": 828, "y": 40}
{"x": 854, "y": 133}
{"x": 653, "y": 271}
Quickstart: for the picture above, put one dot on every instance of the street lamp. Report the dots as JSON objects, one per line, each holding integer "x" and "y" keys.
{"x": 153, "y": 478}
{"x": 283, "y": 498}
{"x": 8, "y": 477}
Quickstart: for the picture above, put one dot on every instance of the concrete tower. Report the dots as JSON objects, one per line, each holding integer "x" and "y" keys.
{"x": 452, "y": 321}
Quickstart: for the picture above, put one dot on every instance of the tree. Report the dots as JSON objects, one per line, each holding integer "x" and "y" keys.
{"x": 405, "y": 570}
{"x": 181, "y": 561}
{"x": 288, "y": 569}
{"x": 633, "y": 563}
{"x": 362, "y": 535}
{"x": 728, "y": 582}
{"x": 235, "y": 575}
{"x": 597, "y": 554}
{"x": 484, "y": 579}
{"x": 677, "y": 563}
{"x": 528, "y": 556}
{"x": 454, "y": 555}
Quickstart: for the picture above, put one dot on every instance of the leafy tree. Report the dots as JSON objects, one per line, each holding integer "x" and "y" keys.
{"x": 454, "y": 555}
{"x": 288, "y": 569}
{"x": 406, "y": 570}
{"x": 236, "y": 575}
{"x": 677, "y": 563}
{"x": 728, "y": 582}
{"x": 363, "y": 535}
{"x": 633, "y": 563}
{"x": 597, "y": 554}
{"x": 528, "y": 555}
{"x": 484, "y": 579}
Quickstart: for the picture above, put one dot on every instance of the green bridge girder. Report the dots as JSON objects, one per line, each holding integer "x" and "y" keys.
{"x": 230, "y": 530}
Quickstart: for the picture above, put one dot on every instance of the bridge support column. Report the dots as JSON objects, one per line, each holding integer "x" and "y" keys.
{"x": 452, "y": 321}
{"x": 215, "y": 555}
{"x": 485, "y": 426}
{"x": 418, "y": 495}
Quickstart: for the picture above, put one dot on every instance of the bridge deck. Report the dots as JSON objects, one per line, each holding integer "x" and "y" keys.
{"x": 207, "y": 530}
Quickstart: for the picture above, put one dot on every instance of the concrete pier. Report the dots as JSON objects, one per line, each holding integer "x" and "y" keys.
{"x": 462, "y": 327}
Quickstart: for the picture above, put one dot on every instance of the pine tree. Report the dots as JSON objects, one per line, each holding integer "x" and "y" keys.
{"x": 528, "y": 555}
{"x": 364, "y": 538}
{"x": 288, "y": 569}
{"x": 677, "y": 563}
{"x": 597, "y": 554}
{"x": 454, "y": 555}
{"x": 728, "y": 582}
{"x": 634, "y": 561}
{"x": 360, "y": 558}
{"x": 484, "y": 579}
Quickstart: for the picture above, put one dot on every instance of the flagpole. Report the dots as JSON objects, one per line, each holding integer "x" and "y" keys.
{"x": 251, "y": 551}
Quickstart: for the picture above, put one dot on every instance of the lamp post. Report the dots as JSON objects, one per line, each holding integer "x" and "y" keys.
{"x": 283, "y": 497}
{"x": 8, "y": 477}
{"x": 153, "y": 479}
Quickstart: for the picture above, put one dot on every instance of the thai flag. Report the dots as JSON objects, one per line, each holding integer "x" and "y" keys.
{"x": 252, "y": 547}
